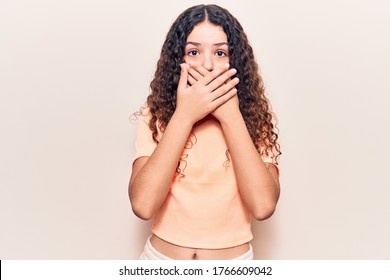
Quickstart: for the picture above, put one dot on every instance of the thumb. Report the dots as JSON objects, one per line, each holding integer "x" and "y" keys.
{"x": 183, "y": 77}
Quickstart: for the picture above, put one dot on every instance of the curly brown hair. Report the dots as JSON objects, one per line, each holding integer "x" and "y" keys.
{"x": 254, "y": 106}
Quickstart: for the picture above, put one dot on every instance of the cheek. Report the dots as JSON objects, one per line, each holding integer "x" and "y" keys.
{"x": 220, "y": 61}
{"x": 188, "y": 59}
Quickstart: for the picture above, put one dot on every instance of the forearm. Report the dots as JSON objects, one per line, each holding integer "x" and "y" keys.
{"x": 257, "y": 185}
{"x": 150, "y": 185}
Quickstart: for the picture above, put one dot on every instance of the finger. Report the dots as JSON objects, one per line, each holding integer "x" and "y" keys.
{"x": 200, "y": 70}
{"x": 214, "y": 74}
{"x": 195, "y": 74}
{"x": 224, "y": 89}
{"x": 221, "y": 79}
{"x": 224, "y": 98}
{"x": 191, "y": 80}
{"x": 183, "y": 77}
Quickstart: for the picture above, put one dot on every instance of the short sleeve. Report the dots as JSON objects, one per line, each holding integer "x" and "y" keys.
{"x": 144, "y": 143}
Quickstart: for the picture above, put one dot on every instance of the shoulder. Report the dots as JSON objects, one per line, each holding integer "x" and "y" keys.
{"x": 142, "y": 116}
{"x": 146, "y": 124}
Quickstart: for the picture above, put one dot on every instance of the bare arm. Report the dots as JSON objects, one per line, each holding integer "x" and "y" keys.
{"x": 152, "y": 176}
{"x": 258, "y": 181}
{"x": 259, "y": 184}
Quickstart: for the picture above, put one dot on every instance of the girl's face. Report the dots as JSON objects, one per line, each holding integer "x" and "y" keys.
{"x": 207, "y": 46}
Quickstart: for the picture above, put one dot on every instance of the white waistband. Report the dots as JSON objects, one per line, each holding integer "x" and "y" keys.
{"x": 150, "y": 253}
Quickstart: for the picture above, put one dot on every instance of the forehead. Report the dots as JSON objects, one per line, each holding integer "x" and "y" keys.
{"x": 206, "y": 32}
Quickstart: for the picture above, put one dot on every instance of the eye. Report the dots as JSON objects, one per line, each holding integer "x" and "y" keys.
{"x": 193, "y": 53}
{"x": 220, "y": 53}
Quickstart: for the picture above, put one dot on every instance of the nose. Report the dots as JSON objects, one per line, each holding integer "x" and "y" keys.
{"x": 208, "y": 62}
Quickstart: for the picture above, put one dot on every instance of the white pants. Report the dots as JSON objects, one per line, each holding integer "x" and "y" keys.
{"x": 150, "y": 253}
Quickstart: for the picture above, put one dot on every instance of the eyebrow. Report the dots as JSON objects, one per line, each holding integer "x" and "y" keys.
{"x": 198, "y": 44}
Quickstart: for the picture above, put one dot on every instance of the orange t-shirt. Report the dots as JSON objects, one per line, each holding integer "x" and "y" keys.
{"x": 203, "y": 208}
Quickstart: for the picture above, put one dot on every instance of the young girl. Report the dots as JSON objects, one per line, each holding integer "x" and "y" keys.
{"x": 206, "y": 147}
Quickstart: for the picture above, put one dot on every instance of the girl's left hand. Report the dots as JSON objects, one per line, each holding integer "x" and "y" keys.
{"x": 223, "y": 112}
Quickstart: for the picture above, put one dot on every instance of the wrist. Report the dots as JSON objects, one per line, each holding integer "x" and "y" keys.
{"x": 232, "y": 119}
{"x": 182, "y": 121}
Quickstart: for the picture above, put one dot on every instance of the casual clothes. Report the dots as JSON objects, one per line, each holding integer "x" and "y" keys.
{"x": 203, "y": 208}
{"x": 150, "y": 253}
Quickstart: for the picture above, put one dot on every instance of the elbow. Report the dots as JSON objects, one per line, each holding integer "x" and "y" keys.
{"x": 141, "y": 209}
{"x": 264, "y": 212}
{"x": 265, "y": 208}
{"x": 142, "y": 212}
{"x": 143, "y": 216}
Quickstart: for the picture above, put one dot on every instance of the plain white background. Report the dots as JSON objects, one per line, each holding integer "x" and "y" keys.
{"x": 72, "y": 72}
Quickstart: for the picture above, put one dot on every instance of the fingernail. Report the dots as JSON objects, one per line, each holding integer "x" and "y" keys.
{"x": 227, "y": 65}
{"x": 234, "y": 71}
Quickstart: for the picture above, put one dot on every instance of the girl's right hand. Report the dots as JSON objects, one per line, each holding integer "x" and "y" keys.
{"x": 195, "y": 102}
